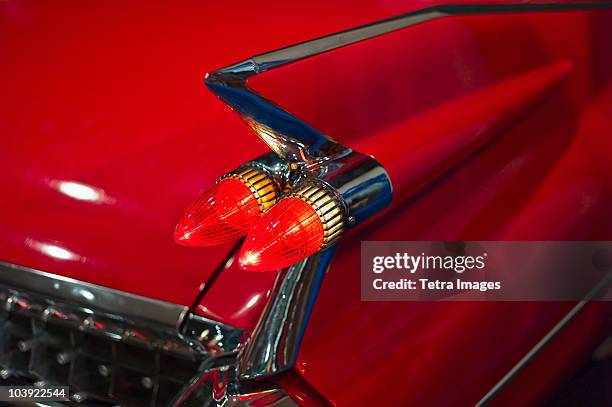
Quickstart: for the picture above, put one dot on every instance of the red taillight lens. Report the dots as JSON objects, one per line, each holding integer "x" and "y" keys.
{"x": 296, "y": 227}
{"x": 290, "y": 232}
{"x": 226, "y": 211}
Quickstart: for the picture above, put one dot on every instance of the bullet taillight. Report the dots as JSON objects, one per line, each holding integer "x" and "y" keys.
{"x": 308, "y": 220}
{"x": 227, "y": 211}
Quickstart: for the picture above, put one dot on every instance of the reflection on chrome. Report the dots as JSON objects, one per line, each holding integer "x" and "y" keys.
{"x": 274, "y": 344}
{"x": 80, "y": 191}
{"x": 88, "y": 295}
{"x": 53, "y": 323}
{"x": 229, "y": 263}
{"x": 249, "y": 304}
{"x": 216, "y": 386}
{"x": 52, "y": 250}
{"x": 252, "y": 301}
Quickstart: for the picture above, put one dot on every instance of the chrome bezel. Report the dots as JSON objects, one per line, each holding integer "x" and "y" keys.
{"x": 87, "y": 296}
{"x": 328, "y": 206}
{"x": 263, "y": 186}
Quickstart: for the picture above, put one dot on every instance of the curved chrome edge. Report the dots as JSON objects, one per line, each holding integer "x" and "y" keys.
{"x": 216, "y": 387}
{"x": 362, "y": 183}
{"x": 546, "y": 339}
{"x": 111, "y": 301}
{"x": 364, "y": 187}
{"x": 123, "y": 319}
{"x": 270, "y": 60}
{"x": 275, "y": 342}
{"x": 293, "y": 139}
{"x": 271, "y": 164}
{"x": 212, "y": 337}
{"x": 87, "y": 302}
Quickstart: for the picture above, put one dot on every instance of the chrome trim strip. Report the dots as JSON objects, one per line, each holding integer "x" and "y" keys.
{"x": 216, "y": 385}
{"x": 362, "y": 183}
{"x": 298, "y": 143}
{"x": 293, "y": 139}
{"x": 275, "y": 342}
{"x": 212, "y": 337}
{"x": 364, "y": 187}
{"x": 283, "y": 56}
{"x": 533, "y": 352}
{"x": 48, "y": 322}
{"x": 100, "y": 298}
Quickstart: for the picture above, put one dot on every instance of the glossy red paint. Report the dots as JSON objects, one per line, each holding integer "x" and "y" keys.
{"x": 250, "y": 292}
{"x": 109, "y": 133}
{"x": 468, "y": 125}
{"x": 574, "y": 344}
{"x": 492, "y": 127}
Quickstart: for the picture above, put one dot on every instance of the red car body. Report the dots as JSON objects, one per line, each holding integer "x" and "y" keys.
{"x": 108, "y": 134}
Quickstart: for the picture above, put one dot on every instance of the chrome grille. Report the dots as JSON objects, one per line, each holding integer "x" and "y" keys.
{"x": 105, "y": 356}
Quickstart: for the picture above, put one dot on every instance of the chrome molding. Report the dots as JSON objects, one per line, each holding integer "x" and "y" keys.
{"x": 364, "y": 187}
{"x": 211, "y": 337}
{"x": 296, "y": 141}
{"x": 326, "y": 202}
{"x": 271, "y": 164}
{"x": 264, "y": 188}
{"x": 217, "y": 387}
{"x": 105, "y": 344}
{"x": 603, "y": 284}
{"x": 361, "y": 182}
{"x": 274, "y": 345}
{"x": 270, "y": 60}
{"x": 84, "y": 303}
{"x": 102, "y": 299}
